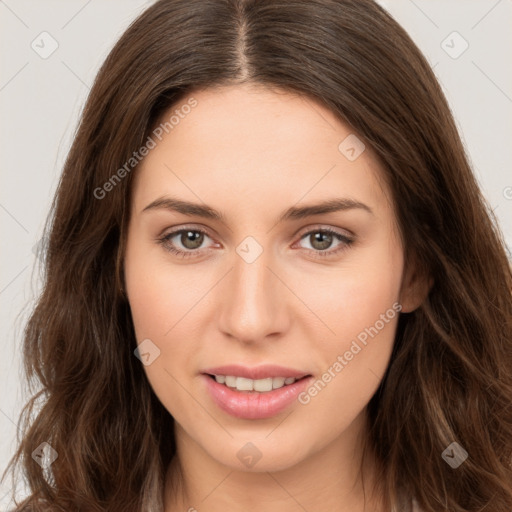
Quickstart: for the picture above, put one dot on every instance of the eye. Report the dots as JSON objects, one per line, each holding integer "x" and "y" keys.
{"x": 190, "y": 239}
{"x": 187, "y": 242}
{"x": 322, "y": 239}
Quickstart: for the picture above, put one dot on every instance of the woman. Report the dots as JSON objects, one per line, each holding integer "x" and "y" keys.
{"x": 272, "y": 282}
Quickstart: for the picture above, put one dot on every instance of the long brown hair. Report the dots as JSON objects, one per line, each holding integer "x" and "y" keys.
{"x": 450, "y": 376}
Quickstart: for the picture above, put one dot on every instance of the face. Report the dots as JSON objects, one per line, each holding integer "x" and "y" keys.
{"x": 255, "y": 285}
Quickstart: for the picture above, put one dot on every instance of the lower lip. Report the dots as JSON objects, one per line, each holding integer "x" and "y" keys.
{"x": 254, "y": 406}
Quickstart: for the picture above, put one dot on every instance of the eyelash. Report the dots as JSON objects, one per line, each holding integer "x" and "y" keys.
{"x": 347, "y": 242}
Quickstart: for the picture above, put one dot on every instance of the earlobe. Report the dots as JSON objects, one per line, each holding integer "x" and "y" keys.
{"x": 416, "y": 286}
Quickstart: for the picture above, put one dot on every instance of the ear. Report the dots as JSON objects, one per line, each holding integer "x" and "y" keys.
{"x": 416, "y": 285}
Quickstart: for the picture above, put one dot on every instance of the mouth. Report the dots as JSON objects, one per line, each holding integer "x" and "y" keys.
{"x": 254, "y": 393}
{"x": 255, "y": 386}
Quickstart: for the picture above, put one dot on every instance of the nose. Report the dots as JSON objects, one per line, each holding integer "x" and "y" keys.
{"x": 253, "y": 301}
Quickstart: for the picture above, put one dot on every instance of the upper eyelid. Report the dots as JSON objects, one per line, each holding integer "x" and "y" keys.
{"x": 305, "y": 230}
{"x": 322, "y": 227}
{"x": 175, "y": 231}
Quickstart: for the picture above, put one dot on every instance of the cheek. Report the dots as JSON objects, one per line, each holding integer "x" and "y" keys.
{"x": 159, "y": 297}
{"x": 353, "y": 296}
{"x": 359, "y": 308}
{"x": 159, "y": 301}
{"x": 352, "y": 372}
{"x": 167, "y": 303}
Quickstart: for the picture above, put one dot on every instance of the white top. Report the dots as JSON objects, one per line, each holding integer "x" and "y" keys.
{"x": 415, "y": 506}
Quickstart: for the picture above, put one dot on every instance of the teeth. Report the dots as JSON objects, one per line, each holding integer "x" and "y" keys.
{"x": 243, "y": 384}
{"x": 278, "y": 382}
{"x": 230, "y": 381}
{"x": 263, "y": 385}
{"x": 260, "y": 385}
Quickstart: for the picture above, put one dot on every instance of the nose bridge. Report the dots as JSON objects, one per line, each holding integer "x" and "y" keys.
{"x": 252, "y": 301}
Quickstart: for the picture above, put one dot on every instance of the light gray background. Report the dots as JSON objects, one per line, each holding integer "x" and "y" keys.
{"x": 40, "y": 100}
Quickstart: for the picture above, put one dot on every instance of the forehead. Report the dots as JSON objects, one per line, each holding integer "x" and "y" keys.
{"x": 245, "y": 140}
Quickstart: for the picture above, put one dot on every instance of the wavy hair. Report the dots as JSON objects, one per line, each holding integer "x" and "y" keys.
{"x": 450, "y": 375}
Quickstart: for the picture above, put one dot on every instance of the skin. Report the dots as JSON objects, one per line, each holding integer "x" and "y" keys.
{"x": 251, "y": 153}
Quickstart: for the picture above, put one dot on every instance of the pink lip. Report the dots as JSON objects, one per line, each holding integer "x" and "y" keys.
{"x": 253, "y": 405}
{"x": 258, "y": 372}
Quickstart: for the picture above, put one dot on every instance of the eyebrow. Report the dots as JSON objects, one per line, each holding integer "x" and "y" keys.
{"x": 292, "y": 213}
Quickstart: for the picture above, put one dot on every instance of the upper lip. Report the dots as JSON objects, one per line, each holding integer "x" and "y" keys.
{"x": 257, "y": 372}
